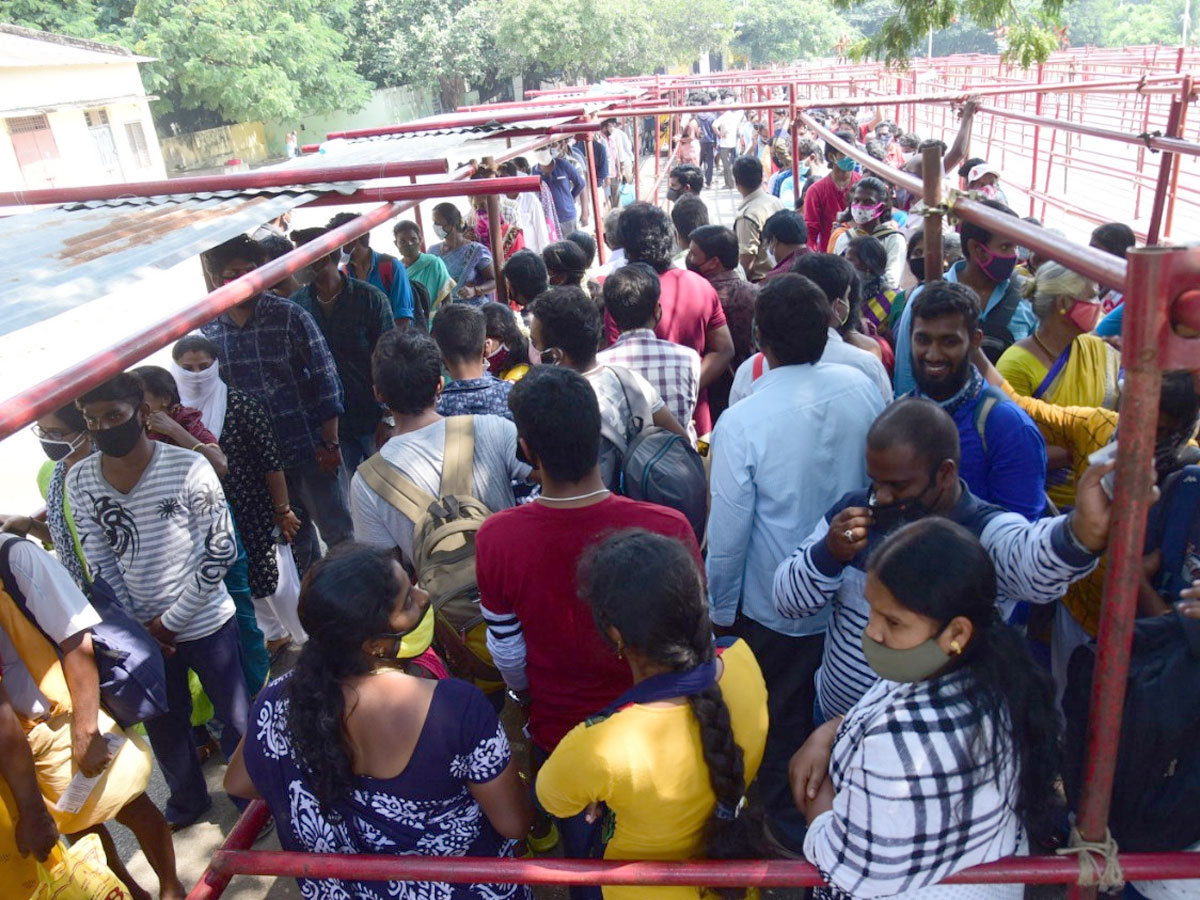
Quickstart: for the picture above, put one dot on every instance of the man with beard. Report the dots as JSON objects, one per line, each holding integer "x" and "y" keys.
{"x": 912, "y": 461}
{"x": 1003, "y": 457}
{"x": 272, "y": 348}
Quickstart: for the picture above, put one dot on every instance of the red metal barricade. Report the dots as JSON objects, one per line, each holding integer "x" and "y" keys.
{"x": 1125, "y": 94}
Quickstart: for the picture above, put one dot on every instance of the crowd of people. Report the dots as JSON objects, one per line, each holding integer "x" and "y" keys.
{"x": 445, "y": 502}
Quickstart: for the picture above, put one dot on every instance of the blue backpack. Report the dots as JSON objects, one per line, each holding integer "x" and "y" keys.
{"x": 133, "y": 683}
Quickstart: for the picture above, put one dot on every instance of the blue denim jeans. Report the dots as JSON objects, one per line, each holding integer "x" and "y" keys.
{"x": 216, "y": 659}
{"x": 321, "y": 500}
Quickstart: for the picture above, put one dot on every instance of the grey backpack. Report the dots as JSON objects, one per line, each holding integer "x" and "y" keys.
{"x": 654, "y": 465}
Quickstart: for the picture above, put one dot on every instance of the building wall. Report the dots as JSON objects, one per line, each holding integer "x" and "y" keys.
{"x": 79, "y": 159}
{"x": 213, "y": 147}
{"x": 387, "y": 106}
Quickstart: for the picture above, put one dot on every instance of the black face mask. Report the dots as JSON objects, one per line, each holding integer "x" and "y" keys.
{"x": 891, "y": 516}
{"x": 673, "y": 194}
{"x": 120, "y": 439}
{"x": 916, "y": 265}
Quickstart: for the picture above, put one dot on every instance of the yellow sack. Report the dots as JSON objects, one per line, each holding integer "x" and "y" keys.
{"x": 79, "y": 872}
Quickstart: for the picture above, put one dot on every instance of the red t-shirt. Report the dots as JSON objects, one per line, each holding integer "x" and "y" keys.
{"x": 822, "y": 203}
{"x": 525, "y": 563}
{"x": 690, "y": 308}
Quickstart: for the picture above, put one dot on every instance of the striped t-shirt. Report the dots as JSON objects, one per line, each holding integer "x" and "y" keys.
{"x": 1035, "y": 562}
{"x": 165, "y": 546}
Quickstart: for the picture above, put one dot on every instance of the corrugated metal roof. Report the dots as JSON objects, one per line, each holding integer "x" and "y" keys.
{"x": 74, "y": 254}
{"x": 60, "y": 259}
{"x": 27, "y": 48}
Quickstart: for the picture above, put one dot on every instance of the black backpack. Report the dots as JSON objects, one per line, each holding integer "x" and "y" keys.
{"x": 1156, "y": 788}
{"x": 656, "y": 465}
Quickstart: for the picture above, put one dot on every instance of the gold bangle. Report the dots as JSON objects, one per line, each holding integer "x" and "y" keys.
{"x": 197, "y": 446}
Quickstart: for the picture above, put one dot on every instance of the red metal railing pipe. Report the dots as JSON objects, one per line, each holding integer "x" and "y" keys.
{"x": 60, "y": 389}
{"x": 1091, "y": 263}
{"x": 263, "y": 178}
{"x": 245, "y": 830}
{"x": 544, "y": 101}
{"x": 1171, "y": 145}
{"x": 1145, "y": 323}
{"x": 514, "y": 185}
{"x": 763, "y": 873}
{"x": 1164, "y": 175}
{"x": 878, "y": 167}
{"x": 470, "y": 120}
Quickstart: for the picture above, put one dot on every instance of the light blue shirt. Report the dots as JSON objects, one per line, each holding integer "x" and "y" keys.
{"x": 1022, "y": 324}
{"x": 781, "y": 458}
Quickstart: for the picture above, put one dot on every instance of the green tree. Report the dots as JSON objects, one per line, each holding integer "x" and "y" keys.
{"x": 441, "y": 46}
{"x": 788, "y": 31}
{"x": 74, "y": 18}
{"x": 903, "y": 26}
{"x": 237, "y": 60}
{"x": 588, "y": 39}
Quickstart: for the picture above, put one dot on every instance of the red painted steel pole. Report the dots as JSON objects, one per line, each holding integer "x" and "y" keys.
{"x": 1164, "y": 174}
{"x": 1037, "y": 137}
{"x": 1174, "y": 145}
{"x": 637, "y": 161}
{"x": 931, "y": 173}
{"x": 495, "y": 232}
{"x": 465, "y": 120}
{"x": 514, "y": 185}
{"x": 1179, "y": 131}
{"x": 297, "y": 176}
{"x": 680, "y": 873}
{"x": 794, "y": 126}
{"x": 245, "y": 831}
{"x": 594, "y": 193}
{"x": 60, "y": 389}
{"x": 1144, "y": 326}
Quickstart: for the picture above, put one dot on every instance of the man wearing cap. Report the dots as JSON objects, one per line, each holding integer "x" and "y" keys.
{"x": 985, "y": 178}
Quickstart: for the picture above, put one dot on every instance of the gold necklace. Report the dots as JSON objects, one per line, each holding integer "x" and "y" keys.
{"x": 1045, "y": 349}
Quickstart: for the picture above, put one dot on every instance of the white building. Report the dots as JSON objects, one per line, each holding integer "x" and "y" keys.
{"x": 74, "y": 112}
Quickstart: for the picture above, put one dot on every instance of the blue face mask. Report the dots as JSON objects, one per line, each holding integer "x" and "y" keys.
{"x": 802, "y": 170}
{"x": 846, "y": 164}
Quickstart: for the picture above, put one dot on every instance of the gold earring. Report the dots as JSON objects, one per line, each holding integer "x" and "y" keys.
{"x": 620, "y": 651}
{"x": 955, "y": 648}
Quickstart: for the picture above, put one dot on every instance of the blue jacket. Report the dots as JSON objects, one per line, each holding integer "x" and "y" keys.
{"x": 1011, "y": 471}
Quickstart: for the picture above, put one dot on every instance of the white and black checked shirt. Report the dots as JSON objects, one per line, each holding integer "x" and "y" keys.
{"x": 916, "y": 799}
{"x": 673, "y": 370}
{"x": 1035, "y": 563}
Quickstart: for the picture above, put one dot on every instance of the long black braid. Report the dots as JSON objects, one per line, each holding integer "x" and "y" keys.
{"x": 649, "y": 589}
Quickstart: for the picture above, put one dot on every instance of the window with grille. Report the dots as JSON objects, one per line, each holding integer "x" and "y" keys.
{"x": 27, "y": 124}
{"x": 137, "y": 143}
{"x": 95, "y": 117}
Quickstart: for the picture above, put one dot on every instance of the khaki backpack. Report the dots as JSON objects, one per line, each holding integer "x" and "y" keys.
{"x": 444, "y": 530}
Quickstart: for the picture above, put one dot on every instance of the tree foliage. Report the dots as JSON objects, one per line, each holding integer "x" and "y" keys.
{"x": 903, "y": 26}
{"x": 439, "y": 45}
{"x": 219, "y": 61}
{"x": 788, "y": 31}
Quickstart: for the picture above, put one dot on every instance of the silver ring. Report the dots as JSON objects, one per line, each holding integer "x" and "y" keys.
{"x": 848, "y": 534}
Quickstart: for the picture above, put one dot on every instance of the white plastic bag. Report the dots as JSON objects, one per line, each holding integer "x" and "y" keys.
{"x": 278, "y": 615}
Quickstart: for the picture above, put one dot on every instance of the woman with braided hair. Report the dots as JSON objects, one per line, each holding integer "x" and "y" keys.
{"x": 663, "y": 770}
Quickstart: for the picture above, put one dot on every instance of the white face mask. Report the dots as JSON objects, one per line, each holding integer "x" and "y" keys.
{"x": 194, "y": 386}
{"x": 771, "y": 257}
{"x": 440, "y": 231}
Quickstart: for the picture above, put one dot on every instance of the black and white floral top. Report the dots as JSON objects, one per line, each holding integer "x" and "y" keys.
{"x": 427, "y": 809}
